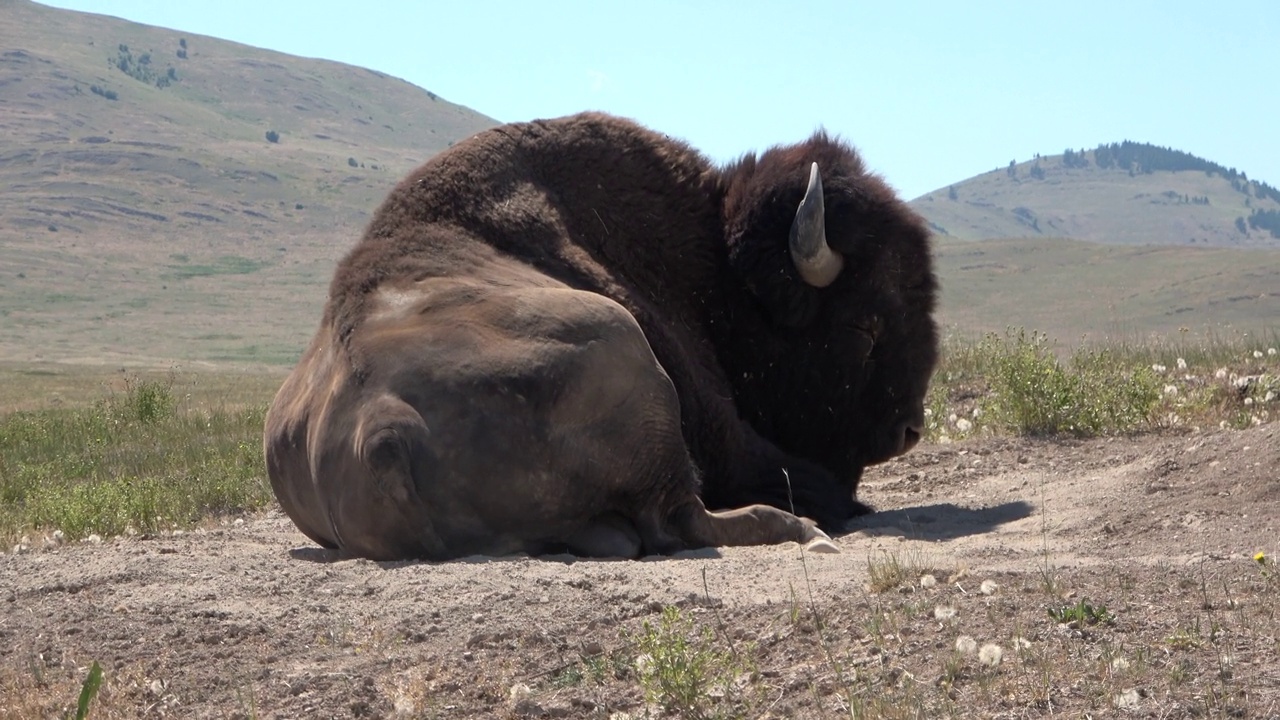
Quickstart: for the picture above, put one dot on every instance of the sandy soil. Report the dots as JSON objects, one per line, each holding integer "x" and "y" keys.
{"x": 248, "y": 620}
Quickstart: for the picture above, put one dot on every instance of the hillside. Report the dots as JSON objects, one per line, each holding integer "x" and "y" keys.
{"x": 174, "y": 197}
{"x": 156, "y": 181}
{"x": 1121, "y": 194}
{"x": 1076, "y": 290}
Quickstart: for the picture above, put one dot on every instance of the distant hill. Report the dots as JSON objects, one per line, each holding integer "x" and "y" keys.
{"x": 1122, "y": 193}
{"x": 158, "y": 183}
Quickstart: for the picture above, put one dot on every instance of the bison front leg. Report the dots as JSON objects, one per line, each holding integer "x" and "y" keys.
{"x": 750, "y": 525}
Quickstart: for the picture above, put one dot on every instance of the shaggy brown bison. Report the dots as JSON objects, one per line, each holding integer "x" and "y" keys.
{"x": 580, "y": 334}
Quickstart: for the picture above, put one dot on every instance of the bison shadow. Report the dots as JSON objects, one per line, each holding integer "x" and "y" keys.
{"x": 322, "y": 555}
{"x": 943, "y": 521}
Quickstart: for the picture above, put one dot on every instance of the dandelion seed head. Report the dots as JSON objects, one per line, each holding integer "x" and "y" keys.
{"x": 1271, "y": 395}
{"x": 1220, "y": 374}
{"x": 963, "y": 425}
{"x": 1126, "y": 699}
{"x": 988, "y": 587}
{"x": 1171, "y": 390}
{"x": 990, "y": 655}
{"x": 1021, "y": 643}
{"x": 1248, "y": 401}
{"x": 1182, "y": 364}
{"x": 1271, "y": 352}
{"x": 1257, "y": 353}
{"x": 942, "y": 612}
{"x": 966, "y": 645}
{"x": 1159, "y": 368}
{"x": 928, "y": 581}
{"x": 519, "y": 694}
{"x": 1119, "y": 664}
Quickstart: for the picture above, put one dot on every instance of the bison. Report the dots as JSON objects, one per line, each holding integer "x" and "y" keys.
{"x": 579, "y": 334}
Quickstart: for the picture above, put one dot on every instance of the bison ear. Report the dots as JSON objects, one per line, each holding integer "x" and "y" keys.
{"x": 814, "y": 259}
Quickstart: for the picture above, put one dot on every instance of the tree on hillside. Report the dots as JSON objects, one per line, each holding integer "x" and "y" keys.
{"x": 1073, "y": 159}
{"x": 1146, "y": 159}
{"x": 1241, "y": 226}
{"x": 1268, "y": 220}
{"x": 951, "y": 193}
{"x": 1013, "y": 169}
{"x": 273, "y": 136}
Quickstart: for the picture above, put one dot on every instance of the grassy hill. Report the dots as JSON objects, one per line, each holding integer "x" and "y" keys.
{"x": 1074, "y": 289}
{"x": 148, "y": 214}
{"x": 1073, "y": 197}
{"x": 149, "y": 217}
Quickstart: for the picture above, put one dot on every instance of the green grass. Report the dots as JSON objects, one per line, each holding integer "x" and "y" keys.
{"x": 224, "y": 265}
{"x": 1033, "y": 393}
{"x": 684, "y": 670}
{"x": 141, "y": 460}
{"x": 1021, "y": 383}
{"x": 1082, "y": 613}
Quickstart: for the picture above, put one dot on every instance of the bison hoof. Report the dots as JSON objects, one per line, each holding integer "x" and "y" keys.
{"x": 822, "y": 545}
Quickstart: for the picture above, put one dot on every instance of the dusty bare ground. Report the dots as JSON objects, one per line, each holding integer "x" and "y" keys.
{"x": 242, "y": 620}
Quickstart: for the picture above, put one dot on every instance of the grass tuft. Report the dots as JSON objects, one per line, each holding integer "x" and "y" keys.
{"x": 682, "y": 670}
{"x": 1082, "y": 613}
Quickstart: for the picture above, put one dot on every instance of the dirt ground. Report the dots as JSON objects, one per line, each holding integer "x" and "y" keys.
{"x": 247, "y": 620}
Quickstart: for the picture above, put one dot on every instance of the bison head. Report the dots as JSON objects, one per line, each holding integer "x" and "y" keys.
{"x": 833, "y": 343}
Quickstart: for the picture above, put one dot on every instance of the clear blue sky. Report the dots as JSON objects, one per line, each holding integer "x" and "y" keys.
{"x": 931, "y": 93}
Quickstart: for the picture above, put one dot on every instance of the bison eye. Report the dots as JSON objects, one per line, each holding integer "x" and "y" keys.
{"x": 863, "y": 340}
{"x": 869, "y": 326}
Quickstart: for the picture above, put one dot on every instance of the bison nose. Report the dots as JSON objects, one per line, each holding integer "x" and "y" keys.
{"x": 910, "y": 437}
{"x": 908, "y": 432}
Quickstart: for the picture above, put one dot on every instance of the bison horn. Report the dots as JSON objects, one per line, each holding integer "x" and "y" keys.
{"x": 816, "y": 262}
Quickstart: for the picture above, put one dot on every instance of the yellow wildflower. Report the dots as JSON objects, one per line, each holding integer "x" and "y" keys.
{"x": 1260, "y": 558}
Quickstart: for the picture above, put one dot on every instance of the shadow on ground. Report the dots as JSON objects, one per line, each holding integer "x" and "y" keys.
{"x": 942, "y": 521}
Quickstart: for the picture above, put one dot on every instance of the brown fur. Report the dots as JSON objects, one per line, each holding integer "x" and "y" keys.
{"x": 773, "y": 379}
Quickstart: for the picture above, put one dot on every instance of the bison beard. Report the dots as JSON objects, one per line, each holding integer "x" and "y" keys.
{"x": 577, "y": 333}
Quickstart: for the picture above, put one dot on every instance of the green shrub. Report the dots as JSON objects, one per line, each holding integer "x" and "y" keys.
{"x": 682, "y": 670}
{"x": 1033, "y": 393}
